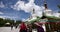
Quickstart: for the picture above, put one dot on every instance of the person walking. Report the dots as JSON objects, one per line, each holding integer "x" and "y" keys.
{"x": 11, "y": 26}
{"x": 16, "y": 26}
{"x": 39, "y": 27}
{"x": 23, "y": 27}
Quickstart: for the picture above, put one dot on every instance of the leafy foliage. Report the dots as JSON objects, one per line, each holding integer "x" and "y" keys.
{"x": 4, "y": 21}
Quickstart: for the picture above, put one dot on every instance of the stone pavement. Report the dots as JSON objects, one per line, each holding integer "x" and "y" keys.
{"x": 8, "y": 29}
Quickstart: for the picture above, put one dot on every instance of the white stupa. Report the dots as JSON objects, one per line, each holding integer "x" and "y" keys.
{"x": 33, "y": 16}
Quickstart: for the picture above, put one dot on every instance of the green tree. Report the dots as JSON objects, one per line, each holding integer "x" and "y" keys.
{"x": 2, "y": 22}
{"x": 18, "y": 21}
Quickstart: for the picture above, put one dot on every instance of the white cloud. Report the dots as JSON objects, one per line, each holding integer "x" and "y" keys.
{"x": 2, "y": 17}
{"x": 5, "y": 17}
{"x": 28, "y": 7}
{"x": 23, "y": 19}
{"x": 1, "y": 13}
{"x": 2, "y": 5}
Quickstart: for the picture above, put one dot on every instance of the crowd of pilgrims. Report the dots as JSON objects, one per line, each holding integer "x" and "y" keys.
{"x": 23, "y": 27}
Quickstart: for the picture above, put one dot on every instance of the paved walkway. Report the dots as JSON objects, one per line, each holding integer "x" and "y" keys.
{"x": 8, "y": 29}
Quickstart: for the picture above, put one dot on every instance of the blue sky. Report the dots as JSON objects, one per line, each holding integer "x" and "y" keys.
{"x": 8, "y": 12}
